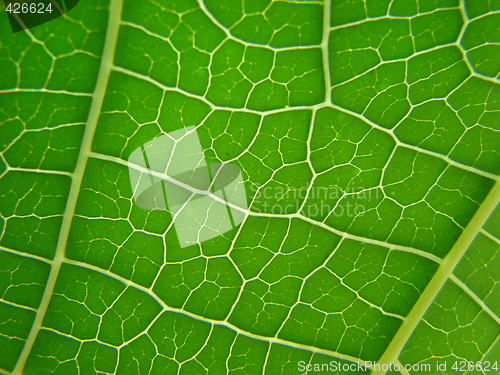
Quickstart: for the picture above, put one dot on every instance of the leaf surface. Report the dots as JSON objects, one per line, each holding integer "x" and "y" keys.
{"x": 367, "y": 135}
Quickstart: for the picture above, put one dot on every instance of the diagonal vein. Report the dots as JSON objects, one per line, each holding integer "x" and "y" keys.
{"x": 324, "y": 50}
{"x": 115, "y": 11}
{"x": 442, "y": 275}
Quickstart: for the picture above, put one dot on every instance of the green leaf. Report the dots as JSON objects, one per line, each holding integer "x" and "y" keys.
{"x": 368, "y": 140}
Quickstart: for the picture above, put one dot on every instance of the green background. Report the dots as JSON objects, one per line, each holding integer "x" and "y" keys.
{"x": 394, "y": 105}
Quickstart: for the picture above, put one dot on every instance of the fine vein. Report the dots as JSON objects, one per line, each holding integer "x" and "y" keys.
{"x": 442, "y": 275}
{"x": 95, "y": 109}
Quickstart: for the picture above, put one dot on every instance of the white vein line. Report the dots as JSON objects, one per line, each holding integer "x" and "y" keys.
{"x": 447, "y": 159}
{"x": 260, "y": 214}
{"x": 387, "y": 62}
{"x": 154, "y": 82}
{"x": 490, "y": 236}
{"x": 115, "y": 11}
{"x": 324, "y": 50}
{"x": 271, "y": 340}
{"x": 38, "y": 171}
{"x": 25, "y": 255}
{"x": 443, "y": 273}
{"x": 160, "y": 85}
{"x": 45, "y": 91}
{"x": 309, "y": 108}
{"x": 230, "y": 36}
{"x": 17, "y": 305}
{"x": 475, "y": 297}
{"x": 74, "y": 338}
{"x": 388, "y": 17}
{"x": 266, "y": 360}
